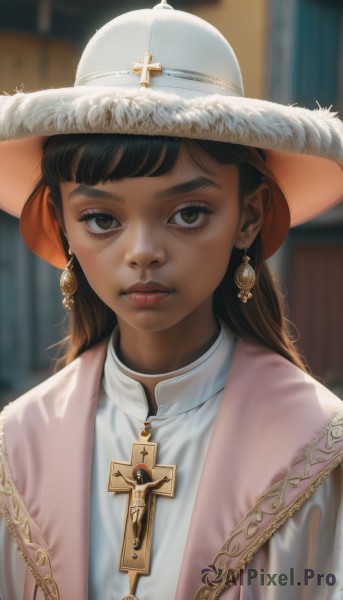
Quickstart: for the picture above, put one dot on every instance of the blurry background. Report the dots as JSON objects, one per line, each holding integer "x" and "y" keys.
{"x": 290, "y": 51}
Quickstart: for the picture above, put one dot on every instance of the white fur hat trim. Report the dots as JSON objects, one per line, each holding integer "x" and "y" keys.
{"x": 245, "y": 121}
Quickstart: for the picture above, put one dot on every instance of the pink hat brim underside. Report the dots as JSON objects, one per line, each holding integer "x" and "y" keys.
{"x": 310, "y": 184}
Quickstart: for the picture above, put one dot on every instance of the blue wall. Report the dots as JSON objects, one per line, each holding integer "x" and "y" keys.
{"x": 317, "y": 53}
{"x": 305, "y": 52}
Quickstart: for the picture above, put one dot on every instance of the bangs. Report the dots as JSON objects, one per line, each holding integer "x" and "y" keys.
{"x": 96, "y": 157}
{"x": 92, "y": 158}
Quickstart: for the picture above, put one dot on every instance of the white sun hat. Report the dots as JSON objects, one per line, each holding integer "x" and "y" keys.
{"x": 165, "y": 72}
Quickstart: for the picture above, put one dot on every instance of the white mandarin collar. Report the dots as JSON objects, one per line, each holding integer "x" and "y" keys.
{"x": 180, "y": 391}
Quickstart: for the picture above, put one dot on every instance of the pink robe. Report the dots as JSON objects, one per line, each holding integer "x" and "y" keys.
{"x": 278, "y": 434}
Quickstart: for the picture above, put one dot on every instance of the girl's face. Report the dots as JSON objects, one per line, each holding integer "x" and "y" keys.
{"x": 154, "y": 249}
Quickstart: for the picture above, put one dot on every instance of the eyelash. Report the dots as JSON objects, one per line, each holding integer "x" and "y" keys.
{"x": 93, "y": 214}
{"x": 204, "y": 210}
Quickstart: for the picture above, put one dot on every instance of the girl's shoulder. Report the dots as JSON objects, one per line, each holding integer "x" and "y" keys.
{"x": 264, "y": 378}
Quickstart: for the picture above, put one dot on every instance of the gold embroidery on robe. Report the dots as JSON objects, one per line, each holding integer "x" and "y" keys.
{"x": 19, "y": 523}
{"x": 253, "y": 532}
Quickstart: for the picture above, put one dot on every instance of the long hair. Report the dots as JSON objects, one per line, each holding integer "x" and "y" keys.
{"x": 91, "y": 158}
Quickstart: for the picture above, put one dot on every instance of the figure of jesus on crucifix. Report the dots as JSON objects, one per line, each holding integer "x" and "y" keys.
{"x": 145, "y": 481}
{"x": 141, "y": 483}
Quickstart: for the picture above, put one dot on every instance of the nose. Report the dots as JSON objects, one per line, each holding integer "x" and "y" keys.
{"x": 144, "y": 248}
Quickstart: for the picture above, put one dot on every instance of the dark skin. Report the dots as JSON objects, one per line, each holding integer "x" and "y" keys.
{"x": 143, "y": 229}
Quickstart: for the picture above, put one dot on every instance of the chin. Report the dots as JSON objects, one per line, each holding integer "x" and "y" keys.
{"x": 150, "y": 322}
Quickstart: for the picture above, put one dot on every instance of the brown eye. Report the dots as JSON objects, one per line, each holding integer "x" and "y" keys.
{"x": 105, "y": 222}
{"x": 99, "y": 223}
{"x": 190, "y": 215}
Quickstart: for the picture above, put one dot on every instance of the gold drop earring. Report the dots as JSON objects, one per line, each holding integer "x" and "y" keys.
{"x": 245, "y": 278}
{"x": 68, "y": 283}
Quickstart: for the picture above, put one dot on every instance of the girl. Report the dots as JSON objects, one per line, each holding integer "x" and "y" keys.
{"x": 158, "y": 186}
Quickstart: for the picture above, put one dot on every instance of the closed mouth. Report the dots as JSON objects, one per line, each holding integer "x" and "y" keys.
{"x": 148, "y": 287}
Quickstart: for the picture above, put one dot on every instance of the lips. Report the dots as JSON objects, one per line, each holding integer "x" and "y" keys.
{"x": 147, "y": 294}
{"x": 146, "y": 287}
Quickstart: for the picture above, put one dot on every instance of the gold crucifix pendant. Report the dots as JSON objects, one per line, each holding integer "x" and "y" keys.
{"x": 144, "y": 480}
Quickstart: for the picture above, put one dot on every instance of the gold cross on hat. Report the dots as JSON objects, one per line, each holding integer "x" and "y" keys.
{"x": 145, "y": 68}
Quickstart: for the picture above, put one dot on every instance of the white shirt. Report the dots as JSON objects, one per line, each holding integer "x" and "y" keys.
{"x": 187, "y": 402}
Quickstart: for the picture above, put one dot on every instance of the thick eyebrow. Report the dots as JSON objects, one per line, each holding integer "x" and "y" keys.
{"x": 199, "y": 183}
{"x": 88, "y": 191}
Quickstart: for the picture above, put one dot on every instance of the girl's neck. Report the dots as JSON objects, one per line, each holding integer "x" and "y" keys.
{"x": 160, "y": 353}
{"x": 155, "y": 353}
